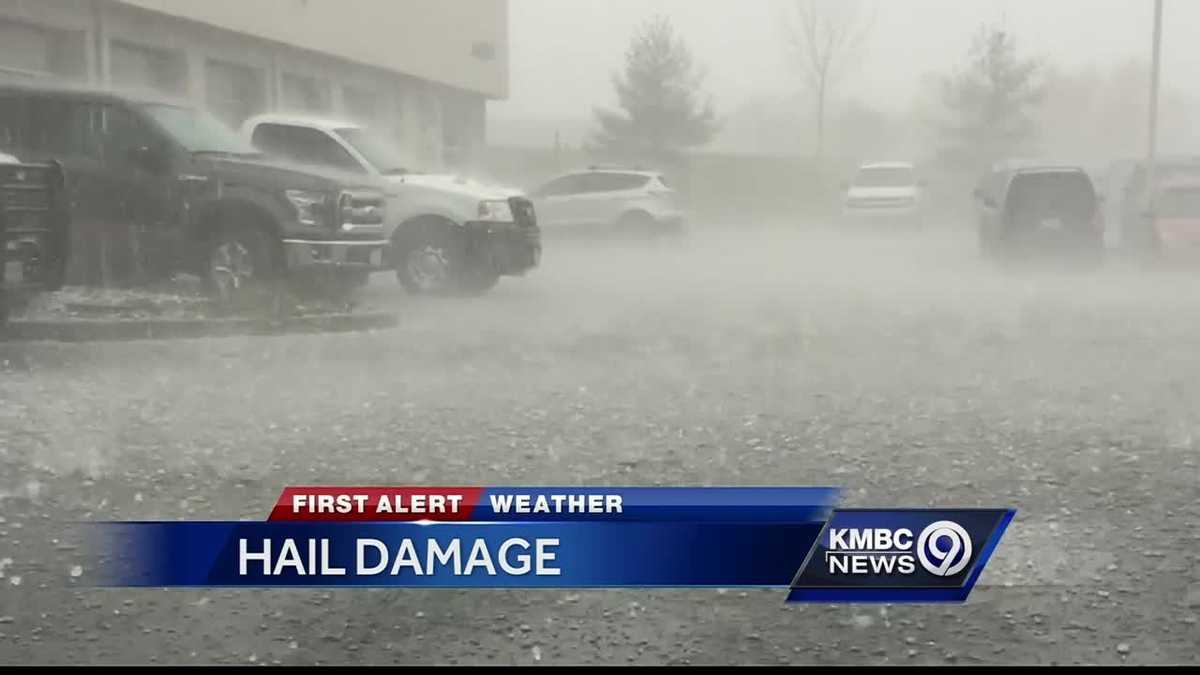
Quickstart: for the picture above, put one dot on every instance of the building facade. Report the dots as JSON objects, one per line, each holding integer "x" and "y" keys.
{"x": 421, "y": 71}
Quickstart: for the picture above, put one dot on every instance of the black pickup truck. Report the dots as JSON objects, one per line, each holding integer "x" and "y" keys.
{"x": 33, "y": 230}
{"x": 155, "y": 188}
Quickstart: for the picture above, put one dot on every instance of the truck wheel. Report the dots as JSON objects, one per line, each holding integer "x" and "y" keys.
{"x": 432, "y": 261}
{"x": 240, "y": 267}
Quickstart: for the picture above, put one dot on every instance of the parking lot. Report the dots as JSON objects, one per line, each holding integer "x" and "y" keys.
{"x": 898, "y": 366}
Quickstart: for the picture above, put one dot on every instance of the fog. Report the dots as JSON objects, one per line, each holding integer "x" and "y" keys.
{"x": 739, "y": 44}
{"x": 753, "y": 311}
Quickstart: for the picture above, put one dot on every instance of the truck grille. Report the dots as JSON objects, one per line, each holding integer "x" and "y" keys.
{"x": 360, "y": 210}
{"x": 522, "y": 210}
{"x": 31, "y": 228}
{"x": 24, "y": 188}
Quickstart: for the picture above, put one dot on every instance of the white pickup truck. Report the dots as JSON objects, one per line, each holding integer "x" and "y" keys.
{"x": 448, "y": 234}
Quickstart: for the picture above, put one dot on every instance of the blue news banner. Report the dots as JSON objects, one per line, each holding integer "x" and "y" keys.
{"x": 793, "y": 539}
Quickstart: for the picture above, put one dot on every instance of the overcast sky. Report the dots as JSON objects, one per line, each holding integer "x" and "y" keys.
{"x": 564, "y": 51}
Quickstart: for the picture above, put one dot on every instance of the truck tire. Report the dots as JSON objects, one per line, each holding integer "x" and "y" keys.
{"x": 431, "y": 259}
{"x": 241, "y": 268}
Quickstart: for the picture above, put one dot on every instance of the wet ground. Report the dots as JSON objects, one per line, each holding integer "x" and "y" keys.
{"x": 899, "y": 367}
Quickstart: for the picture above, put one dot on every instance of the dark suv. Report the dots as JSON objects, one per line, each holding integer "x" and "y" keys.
{"x": 1027, "y": 209}
{"x": 156, "y": 188}
{"x": 33, "y": 230}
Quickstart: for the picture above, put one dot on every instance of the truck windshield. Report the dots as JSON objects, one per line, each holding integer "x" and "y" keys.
{"x": 198, "y": 131}
{"x": 885, "y": 177}
{"x": 385, "y": 157}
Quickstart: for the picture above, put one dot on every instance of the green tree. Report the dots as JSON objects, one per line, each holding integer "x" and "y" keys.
{"x": 662, "y": 109}
{"x": 991, "y": 105}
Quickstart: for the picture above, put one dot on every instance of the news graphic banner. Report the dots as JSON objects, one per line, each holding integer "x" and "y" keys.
{"x": 791, "y": 538}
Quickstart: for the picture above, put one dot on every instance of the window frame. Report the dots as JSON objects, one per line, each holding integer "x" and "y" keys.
{"x": 352, "y": 163}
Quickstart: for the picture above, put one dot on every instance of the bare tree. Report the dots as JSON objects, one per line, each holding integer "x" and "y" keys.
{"x": 824, "y": 39}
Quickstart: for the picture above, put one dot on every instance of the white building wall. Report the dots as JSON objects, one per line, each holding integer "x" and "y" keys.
{"x": 458, "y": 43}
{"x": 411, "y": 109}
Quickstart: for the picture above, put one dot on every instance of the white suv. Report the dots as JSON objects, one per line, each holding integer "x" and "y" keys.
{"x": 884, "y": 191}
{"x": 447, "y": 233}
{"x": 609, "y": 200}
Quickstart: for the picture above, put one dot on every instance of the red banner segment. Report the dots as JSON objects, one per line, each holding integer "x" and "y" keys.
{"x": 350, "y": 504}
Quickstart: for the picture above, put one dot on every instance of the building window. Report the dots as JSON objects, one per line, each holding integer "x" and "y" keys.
{"x": 144, "y": 67}
{"x": 28, "y": 50}
{"x": 304, "y": 93}
{"x": 234, "y": 91}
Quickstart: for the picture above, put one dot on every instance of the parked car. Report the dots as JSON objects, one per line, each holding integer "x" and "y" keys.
{"x": 884, "y": 192}
{"x": 1137, "y": 232}
{"x": 1027, "y": 209}
{"x": 609, "y": 201}
{"x": 156, "y": 187}
{"x": 1176, "y": 217}
{"x": 33, "y": 230}
{"x": 446, "y": 233}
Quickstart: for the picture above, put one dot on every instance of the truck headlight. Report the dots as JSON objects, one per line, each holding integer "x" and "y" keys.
{"x": 312, "y": 208}
{"x": 495, "y": 211}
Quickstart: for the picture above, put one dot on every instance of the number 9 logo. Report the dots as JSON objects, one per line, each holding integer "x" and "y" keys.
{"x": 944, "y": 548}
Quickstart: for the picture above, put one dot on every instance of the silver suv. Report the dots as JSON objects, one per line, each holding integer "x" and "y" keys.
{"x": 609, "y": 200}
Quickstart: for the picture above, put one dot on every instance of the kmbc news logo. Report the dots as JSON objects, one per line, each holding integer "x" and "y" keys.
{"x": 900, "y": 555}
{"x": 943, "y": 549}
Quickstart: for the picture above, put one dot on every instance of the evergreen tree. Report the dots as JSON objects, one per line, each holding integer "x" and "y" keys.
{"x": 991, "y": 104}
{"x": 662, "y": 110}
